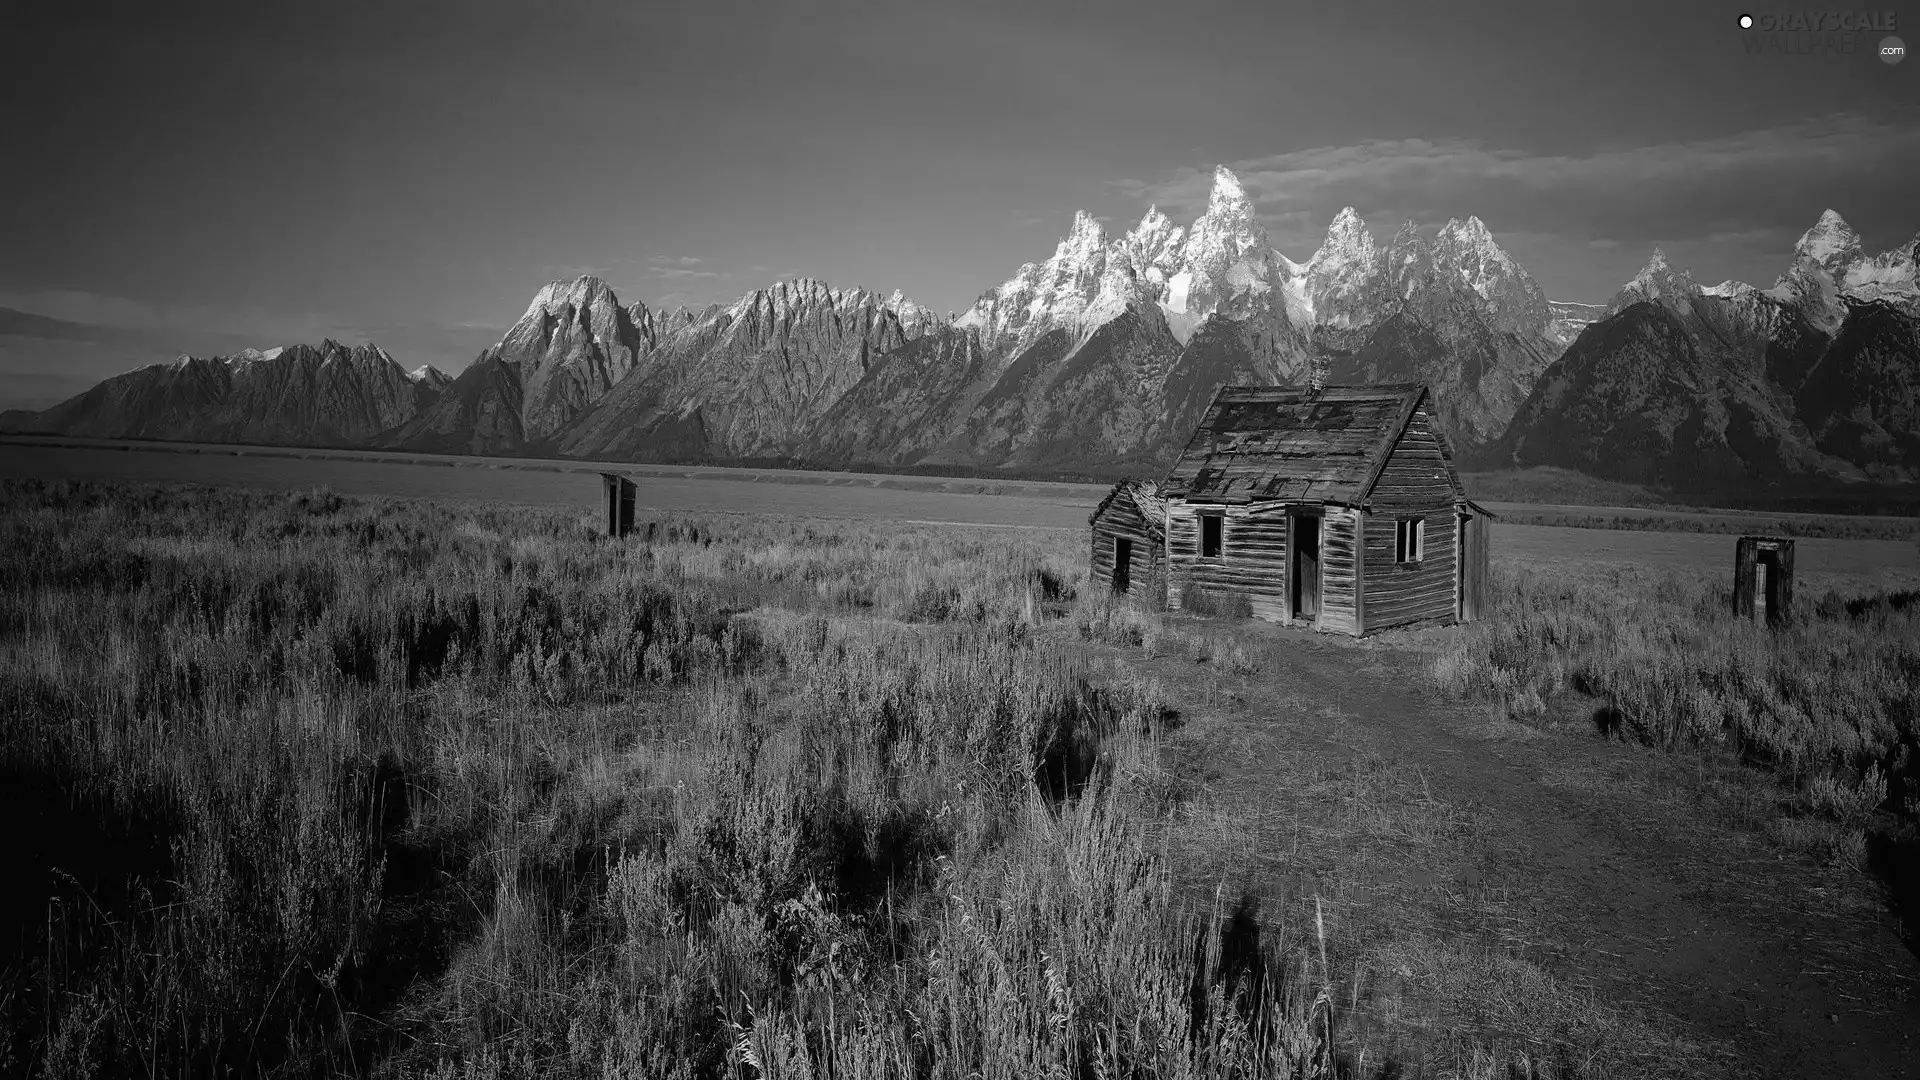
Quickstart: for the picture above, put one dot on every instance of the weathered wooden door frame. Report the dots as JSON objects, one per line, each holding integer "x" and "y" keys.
{"x": 1460, "y": 519}
{"x": 1295, "y": 515}
{"x": 1122, "y": 564}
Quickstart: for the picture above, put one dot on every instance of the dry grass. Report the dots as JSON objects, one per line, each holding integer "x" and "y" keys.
{"x": 1828, "y": 705}
{"x": 1706, "y": 521}
{"x": 330, "y": 786}
{"x": 340, "y": 786}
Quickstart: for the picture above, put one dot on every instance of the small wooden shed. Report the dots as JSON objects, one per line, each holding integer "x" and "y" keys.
{"x": 619, "y": 493}
{"x": 1338, "y": 508}
{"x": 1763, "y": 579}
{"x": 1130, "y": 542}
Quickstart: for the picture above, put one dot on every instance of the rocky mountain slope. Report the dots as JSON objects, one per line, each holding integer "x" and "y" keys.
{"x": 307, "y": 395}
{"x": 1147, "y": 325}
{"x": 1100, "y": 359}
{"x": 747, "y": 381}
{"x": 1732, "y": 386}
{"x": 1457, "y": 313}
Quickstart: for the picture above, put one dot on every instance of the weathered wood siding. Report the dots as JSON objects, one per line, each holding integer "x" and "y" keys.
{"x": 1121, "y": 518}
{"x": 1417, "y": 475}
{"x": 1339, "y": 565}
{"x": 1777, "y": 601}
{"x": 1473, "y": 567}
{"x": 1407, "y": 594}
{"x": 1416, "y": 482}
{"x": 1252, "y": 560}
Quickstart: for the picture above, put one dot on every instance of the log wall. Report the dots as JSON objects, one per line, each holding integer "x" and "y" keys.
{"x": 1252, "y": 562}
{"x": 1146, "y": 571}
{"x": 1416, "y": 482}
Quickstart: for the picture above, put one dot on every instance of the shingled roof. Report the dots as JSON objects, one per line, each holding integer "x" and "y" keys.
{"x": 1266, "y": 442}
{"x": 1147, "y": 498}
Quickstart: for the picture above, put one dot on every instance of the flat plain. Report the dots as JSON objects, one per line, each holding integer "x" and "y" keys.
{"x": 876, "y": 497}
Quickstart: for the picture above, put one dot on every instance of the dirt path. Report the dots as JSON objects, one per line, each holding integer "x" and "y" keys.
{"x": 1625, "y": 874}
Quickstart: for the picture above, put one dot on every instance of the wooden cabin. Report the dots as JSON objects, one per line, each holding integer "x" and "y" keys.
{"x": 1337, "y": 508}
{"x": 1130, "y": 542}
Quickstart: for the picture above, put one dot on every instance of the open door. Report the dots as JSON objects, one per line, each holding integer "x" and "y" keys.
{"x": 1122, "y": 563}
{"x": 1303, "y": 579}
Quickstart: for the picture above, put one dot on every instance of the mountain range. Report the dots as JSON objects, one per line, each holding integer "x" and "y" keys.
{"x": 1731, "y": 386}
{"x": 1100, "y": 359}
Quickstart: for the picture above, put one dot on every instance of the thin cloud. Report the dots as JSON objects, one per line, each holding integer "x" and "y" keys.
{"x": 1735, "y": 184}
{"x": 674, "y": 260}
{"x": 678, "y": 273}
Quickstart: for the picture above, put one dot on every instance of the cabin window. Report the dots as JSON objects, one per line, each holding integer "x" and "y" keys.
{"x": 1409, "y": 540}
{"x": 1210, "y": 532}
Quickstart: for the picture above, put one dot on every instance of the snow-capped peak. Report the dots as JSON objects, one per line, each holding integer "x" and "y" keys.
{"x": 584, "y": 291}
{"x": 1831, "y": 243}
{"x": 427, "y": 373}
{"x": 1657, "y": 280}
{"x": 1829, "y": 259}
{"x": 915, "y": 318}
{"x": 1337, "y": 286}
{"x": 1226, "y": 190}
{"x": 252, "y": 356}
{"x": 1083, "y": 240}
{"x": 1472, "y": 229}
{"x": 1228, "y": 209}
{"x": 1348, "y": 242}
{"x": 1470, "y": 239}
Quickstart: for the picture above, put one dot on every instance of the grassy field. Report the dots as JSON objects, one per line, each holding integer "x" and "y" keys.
{"x": 1723, "y": 523}
{"x": 1828, "y": 705}
{"x": 1539, "y": 498}
{"x": 312, "y": 785}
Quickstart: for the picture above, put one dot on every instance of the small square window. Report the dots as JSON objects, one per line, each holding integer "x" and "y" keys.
{"x": 1409, "y": 540}
{"x": 1210, "y": 533}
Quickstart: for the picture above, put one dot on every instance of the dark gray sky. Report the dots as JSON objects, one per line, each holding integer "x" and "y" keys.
{"x": 198, "y": 175}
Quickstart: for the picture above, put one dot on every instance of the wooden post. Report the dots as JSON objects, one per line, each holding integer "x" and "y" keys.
{"x": 1359, "y": 572}
{"x": 1745, "y": 566}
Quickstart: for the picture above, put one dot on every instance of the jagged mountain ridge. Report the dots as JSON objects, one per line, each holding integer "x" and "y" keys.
{"x": 1148, "y": 324}
{"x": 1731, "y": 386}
{"x": 311, "y": 395}
{"x": 1101, "y": 357}
{"x": 1269, "y": 319}
{"x": 747, "y": 381}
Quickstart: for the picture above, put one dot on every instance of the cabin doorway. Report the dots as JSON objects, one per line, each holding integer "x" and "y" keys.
{"x": 1303, "y": 577}
{"x": 1122, "y": 563}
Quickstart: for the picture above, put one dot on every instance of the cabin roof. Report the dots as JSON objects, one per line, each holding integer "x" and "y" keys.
{"x": 1288, "y": 443}
{"x": 1146, "y": 496}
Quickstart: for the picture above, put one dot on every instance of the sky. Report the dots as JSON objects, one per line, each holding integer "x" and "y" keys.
{"x": 199, "y": 177}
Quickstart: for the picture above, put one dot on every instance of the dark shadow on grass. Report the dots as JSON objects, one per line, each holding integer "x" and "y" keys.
{"x": 1893, "y": 854}
{"x": 1832, "y": 607}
